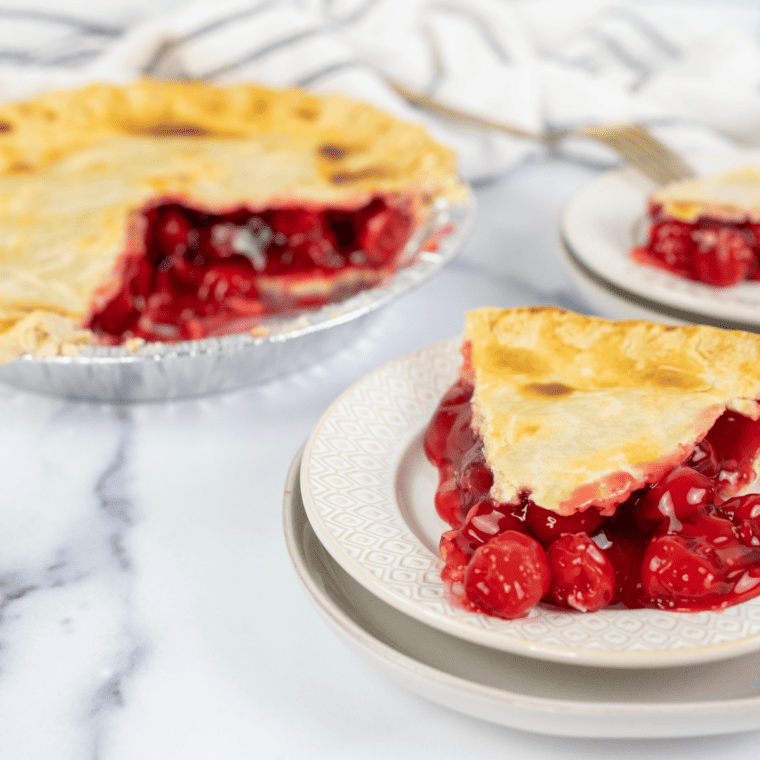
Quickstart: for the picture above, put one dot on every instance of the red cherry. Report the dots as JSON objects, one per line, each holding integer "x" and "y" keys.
{"x": 455, "y": 553}
{"x": 476, "y": 479}
{"x": 320, "y": 252}
{"x": 704, "y": 459}
{"x": 753, "y": 230}
{"x": 742, "y": 507}
{"x": 343, "y": 225}
{"x": 736, "y": 441}
{"x": 172, "y": 231}
{"x": 115, "y": 319}
{"x": 717, "y": 530}
{"x": 723, "y": 256}
{"x": 671, "y": 243}
{"x": 508, "y": 576}
{"x": 722, "y": 535}
{"x": 225, "y": 278}
{"x": 295, "y": 223}
{"x": 473, "y": 477}
{"x": 449, "y": 500}
{"x": 489, "y": 518}
{"x": 677, "y": 569}
{"x": 547, "y": 526}
{"x": 384, "y": 233}
{"x": 679, "y": 497}
{"x": 454, "y": 404}
{"x": 624, "y": 550}
{"x": 460, "y": 439}
{"x": 744, "y": 513}
{"x": 459, "y": 394}
{"x": 300, "y": 240}
{"x": 437, "y": 435}
{"x": 583, "y": 578}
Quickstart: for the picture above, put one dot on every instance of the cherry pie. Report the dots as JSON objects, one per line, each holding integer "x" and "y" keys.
{"x": 585, "y": 462}
{"x": 165, "y": 211}
{"x": 706, "y": 229}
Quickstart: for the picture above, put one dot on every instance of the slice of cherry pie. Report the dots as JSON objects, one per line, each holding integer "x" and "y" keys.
{"x": 172, "y": 211}
{"x": 585, "y": 462}
{"x": 706, "y": 229}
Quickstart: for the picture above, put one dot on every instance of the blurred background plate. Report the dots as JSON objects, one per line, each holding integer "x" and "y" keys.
{"x": 598, "y": 228}
{"x": 191, "y": 368}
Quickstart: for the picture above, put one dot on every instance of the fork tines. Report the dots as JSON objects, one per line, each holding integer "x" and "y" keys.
{"x": 642, "y": 150}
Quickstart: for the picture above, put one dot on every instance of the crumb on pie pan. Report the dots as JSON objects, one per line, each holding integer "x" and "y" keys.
{"x": 160, "y": 371}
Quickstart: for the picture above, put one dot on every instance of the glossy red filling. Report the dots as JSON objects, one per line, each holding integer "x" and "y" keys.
{"x": 196, "y": 273}
{"x": 716, "y": 252}
{"x": 685, "y": 543}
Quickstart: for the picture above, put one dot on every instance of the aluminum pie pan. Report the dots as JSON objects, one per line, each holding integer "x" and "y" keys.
{"x": 163, "y": 371}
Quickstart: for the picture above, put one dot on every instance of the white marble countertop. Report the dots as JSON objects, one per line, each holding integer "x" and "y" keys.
{"x": 149, "y": 608}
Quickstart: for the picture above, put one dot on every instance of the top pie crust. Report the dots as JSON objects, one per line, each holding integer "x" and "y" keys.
{"x": 76, "y": 166}
{"x": 731, "y": 196}
{"x": 581, "y": 411}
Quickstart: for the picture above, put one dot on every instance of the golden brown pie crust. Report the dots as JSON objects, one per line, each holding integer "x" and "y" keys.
{"x": 76, "y": 166}
{"x": 732, "y": 196}
{"x": 581, "y": 411}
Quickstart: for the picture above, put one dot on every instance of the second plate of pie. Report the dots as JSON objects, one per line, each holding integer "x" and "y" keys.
{"x": 368, "y": 491}
{"x": 600, "y": 226}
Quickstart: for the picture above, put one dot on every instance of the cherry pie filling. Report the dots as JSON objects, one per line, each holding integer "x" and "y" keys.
{"x": 684, "y": 543}
{"x": 198, "y": 272}
{"x": 708, "y": 250}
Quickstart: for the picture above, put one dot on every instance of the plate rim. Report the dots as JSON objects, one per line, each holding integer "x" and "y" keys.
{"x": 650, "y": 658}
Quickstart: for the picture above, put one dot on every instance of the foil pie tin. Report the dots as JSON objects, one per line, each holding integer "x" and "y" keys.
{"x": 162, "y": 371}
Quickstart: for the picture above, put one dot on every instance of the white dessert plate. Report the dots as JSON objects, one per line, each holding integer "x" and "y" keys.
{"x": 598, "y": 228}
{"x": 368, "y": 492}
{"x": 161, "y": 371}
{"x": 514, "y": 691}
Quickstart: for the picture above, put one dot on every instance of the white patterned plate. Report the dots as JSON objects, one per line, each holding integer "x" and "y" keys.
{"x": 600, "y": 225}
{"x": 509, "y": 690}
{"x": 368, "y": 492}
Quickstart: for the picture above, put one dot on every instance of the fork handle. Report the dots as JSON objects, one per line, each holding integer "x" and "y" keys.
{"x": 427, "y": 103}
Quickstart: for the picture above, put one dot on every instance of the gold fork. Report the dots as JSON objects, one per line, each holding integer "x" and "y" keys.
{"x": 633, "y": 142}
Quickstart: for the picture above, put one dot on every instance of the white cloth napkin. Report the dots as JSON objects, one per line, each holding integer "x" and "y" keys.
{"x": 689, "y": 69}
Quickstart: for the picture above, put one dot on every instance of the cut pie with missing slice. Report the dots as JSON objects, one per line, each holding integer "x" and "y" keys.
{"x": 586, "y": 462}
{"x": 171, "y": 211}
{"x": 706, "y": 229}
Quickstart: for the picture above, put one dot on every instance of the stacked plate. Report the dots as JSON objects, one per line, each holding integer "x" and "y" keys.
{"x": 363, "y": 533}
{"x": 599, "y": 227}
